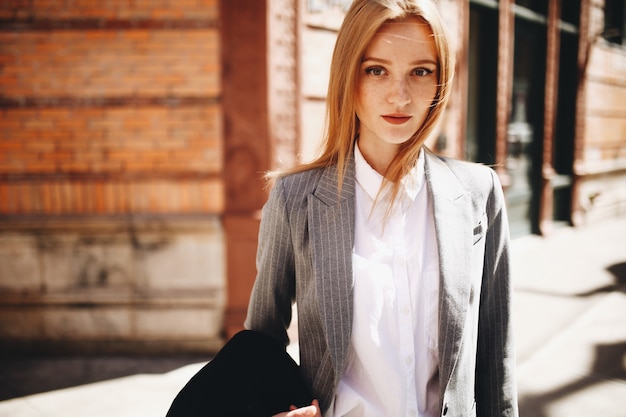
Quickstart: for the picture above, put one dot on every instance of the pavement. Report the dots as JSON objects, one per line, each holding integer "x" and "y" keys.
{"x": 569, "y": 316}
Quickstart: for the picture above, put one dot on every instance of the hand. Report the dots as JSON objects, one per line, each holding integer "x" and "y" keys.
{"x": 312, "y": 410}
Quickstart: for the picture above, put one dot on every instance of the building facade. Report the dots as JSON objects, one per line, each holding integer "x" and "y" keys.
{"x": 134, "y": 137}
{"x": 111, "y": 175}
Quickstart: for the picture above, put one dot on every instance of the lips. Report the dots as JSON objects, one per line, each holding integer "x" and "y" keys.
{"x": 396, "y": 119}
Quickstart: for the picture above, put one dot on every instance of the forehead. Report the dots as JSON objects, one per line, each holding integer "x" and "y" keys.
{"x": 409, "y": 33}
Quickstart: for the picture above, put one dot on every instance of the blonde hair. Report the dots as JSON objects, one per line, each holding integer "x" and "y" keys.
{"x": 361, "y": 23}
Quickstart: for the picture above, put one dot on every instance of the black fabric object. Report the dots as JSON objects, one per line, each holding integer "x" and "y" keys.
{"x": 252, "y": 375}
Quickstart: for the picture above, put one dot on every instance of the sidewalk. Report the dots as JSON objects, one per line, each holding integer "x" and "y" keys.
{"x": 570, "y": 318}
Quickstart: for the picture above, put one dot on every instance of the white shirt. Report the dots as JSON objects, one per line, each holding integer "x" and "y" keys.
{"x": 392, "y": 365}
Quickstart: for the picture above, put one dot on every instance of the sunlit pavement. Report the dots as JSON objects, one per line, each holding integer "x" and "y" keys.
{"x": 570, "y": 316}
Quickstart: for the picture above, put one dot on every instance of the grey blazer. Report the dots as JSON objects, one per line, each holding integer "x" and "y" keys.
{"x": 305, "y": 255}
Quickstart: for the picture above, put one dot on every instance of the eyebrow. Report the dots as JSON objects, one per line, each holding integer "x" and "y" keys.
{"x": 386, "y": 62}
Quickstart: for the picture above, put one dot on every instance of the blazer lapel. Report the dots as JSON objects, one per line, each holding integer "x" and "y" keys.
{"x": 331, "y": 229}
{"x": 453, "y": 225}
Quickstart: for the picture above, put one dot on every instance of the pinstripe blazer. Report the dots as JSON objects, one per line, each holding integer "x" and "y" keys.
{"x": 306, "y": 240}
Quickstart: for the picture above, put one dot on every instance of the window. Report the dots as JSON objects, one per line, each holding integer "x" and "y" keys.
{"x": 326, "y": 14}
{"x": 537, "y": 6}
{"x": 316, "y": 6}
{"x": 615, "y": 21}
{"x": 570, "y": 12}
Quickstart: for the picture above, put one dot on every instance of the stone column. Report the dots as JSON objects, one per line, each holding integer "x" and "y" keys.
{"x": 546, "y": 208}
{"x": 506, "y": 32}
{"x": 260, "y": 127}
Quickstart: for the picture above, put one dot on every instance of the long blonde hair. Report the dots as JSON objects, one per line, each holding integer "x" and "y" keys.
{"x": 362, "y": 21}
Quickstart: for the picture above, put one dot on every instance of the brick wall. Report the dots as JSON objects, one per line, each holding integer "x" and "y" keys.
{"x": 109, "y": 107}
{"x": 600, "y": 155}
{"x": 603, "y": 147}
{"x": 605, "y": 121}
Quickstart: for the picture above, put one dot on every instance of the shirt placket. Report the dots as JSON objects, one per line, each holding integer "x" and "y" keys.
{"x": 404, "y": 311}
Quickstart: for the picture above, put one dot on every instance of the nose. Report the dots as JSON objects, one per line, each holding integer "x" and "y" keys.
{"x": 399, "y": 92}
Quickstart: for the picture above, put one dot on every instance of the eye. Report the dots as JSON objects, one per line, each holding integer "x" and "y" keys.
{"x": 422, "y": 72}
{"x": 375, "y": 71}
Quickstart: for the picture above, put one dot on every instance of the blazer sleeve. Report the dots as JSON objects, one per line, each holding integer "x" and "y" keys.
{"x": 496, "y": 392}
{"x": 269, "y": 309}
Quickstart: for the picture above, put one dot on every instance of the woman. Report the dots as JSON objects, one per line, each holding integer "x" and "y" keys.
{"x": 397, "y": 258}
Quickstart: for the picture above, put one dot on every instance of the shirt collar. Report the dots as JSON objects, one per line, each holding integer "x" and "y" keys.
{"x": 370, "y": 180}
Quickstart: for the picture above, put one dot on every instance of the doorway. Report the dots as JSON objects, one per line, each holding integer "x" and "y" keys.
{"x": 480, "y": 142}
{"x": 525, "y": 129}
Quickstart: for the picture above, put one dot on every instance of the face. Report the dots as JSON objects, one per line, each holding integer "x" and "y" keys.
{"x": 397, "y": 84}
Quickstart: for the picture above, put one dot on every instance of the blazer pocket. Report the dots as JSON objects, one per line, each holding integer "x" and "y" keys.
{"x": 480, "y": 229}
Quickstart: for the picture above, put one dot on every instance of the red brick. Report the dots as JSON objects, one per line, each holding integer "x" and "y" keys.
{"x": 12, "y": 166}
{"x": 87, "y": 193}
{"x": 35, "y": 165}
{"x": 138, "y": 166}
{"x": 98, "y": 194}
{"x": 58, "y": 157}
{"x": 46, "y": 198}
{"x": 73, "y": 67}
{"x": 38, "y": 146}
{"x": 166, "y": 13}
{"x": 12, "y": 146}
{"x": 4, "y": 198}
{"x": 11, "y": 203}
{"x": 109, "y": 9}
{"x": 77, "y": 197}
{"x": 20, "y": 193}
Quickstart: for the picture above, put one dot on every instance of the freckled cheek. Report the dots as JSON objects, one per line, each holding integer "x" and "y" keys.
{"x": 424, "y": 94}
{"x": 368, "y": 101}
{"x": 374, "y": 97}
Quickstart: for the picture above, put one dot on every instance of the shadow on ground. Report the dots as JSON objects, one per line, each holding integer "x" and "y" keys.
{"x": 609, "y": 360}
{"x": 608, "y": 365}
{"x": 21, "y": 376}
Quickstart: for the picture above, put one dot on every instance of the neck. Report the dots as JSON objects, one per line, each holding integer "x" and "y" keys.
{"x": 378, "y": 157}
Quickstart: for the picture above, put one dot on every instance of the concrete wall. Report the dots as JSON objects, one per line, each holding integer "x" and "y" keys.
{"x": 112, "y": 286}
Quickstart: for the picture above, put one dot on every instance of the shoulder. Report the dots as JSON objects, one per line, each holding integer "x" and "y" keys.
{"x": 299, "y": 183}
{"x": 452, "y": 177}
{"x": 472, "y": 175}
{"x": 460, "y": 167}
{"x": 293, "y": 189}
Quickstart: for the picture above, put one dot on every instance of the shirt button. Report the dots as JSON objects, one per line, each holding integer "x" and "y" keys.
{"x": 445, "y": 409}
{"x": 405, "y": 311}
{"x": 408, "y": 360}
